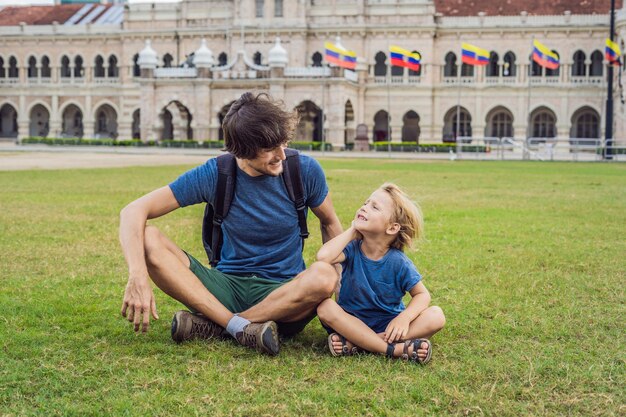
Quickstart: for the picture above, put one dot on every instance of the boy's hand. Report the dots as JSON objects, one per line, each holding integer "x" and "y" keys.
{"x": 356, "y": 235}
{"x": 397, "y": 329}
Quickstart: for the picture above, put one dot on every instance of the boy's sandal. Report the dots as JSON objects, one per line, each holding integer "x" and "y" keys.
{"x": 413, "y": 356}
{"x": 345, "y": 350}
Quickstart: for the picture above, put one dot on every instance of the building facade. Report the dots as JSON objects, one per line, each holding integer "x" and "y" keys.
{"x": 171, "y": 70}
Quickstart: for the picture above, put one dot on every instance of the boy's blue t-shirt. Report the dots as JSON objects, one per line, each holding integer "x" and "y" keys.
{"x": 372, "y": 290}
{"x": 261, "y": 235}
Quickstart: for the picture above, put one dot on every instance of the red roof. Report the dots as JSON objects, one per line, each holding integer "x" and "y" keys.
{"x": 38, "y": 15}
{"x": 514, "y": 7}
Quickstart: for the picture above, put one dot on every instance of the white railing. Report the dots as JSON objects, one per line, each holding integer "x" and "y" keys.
{"x": 175, "y": 73}
{"x": 106, "y": 81}
{"x": 234, "y": 75}
{"x": 350, "y": 75}
{"x": 10, "y": 81}
{"x": 307, "y": 72}
{"x": 72, "y": 80}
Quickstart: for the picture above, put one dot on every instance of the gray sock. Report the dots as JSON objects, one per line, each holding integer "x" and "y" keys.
{"x": 236, "y": 325}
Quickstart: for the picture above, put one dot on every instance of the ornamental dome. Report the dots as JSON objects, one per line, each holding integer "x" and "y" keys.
{"x": 147, "y": 57}
{"x": 203, "y": 57}
{"x": 277, "y": 56}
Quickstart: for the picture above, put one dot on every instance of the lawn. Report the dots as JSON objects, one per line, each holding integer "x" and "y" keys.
{"x": 528, "y": 261}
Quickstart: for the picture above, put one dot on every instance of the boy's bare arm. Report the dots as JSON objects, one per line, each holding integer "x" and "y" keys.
{"x": 420, "y": 300}
{"x": 332, "y": 251}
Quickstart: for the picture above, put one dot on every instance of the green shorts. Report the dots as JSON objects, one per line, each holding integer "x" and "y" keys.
{"x": 239, "y": 293}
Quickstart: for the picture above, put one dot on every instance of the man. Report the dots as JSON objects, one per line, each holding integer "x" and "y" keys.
{"x": 261, "y": 274}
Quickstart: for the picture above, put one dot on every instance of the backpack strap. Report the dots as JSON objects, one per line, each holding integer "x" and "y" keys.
{"x": 293, "y": 182}
{"x": 224, "y": 192}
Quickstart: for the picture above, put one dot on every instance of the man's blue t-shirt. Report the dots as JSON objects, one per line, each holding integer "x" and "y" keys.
{"x": 372, "y": 290}
{"x": 261, "y": 234}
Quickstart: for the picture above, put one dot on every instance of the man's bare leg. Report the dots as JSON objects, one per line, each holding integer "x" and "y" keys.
{"x": 168, "y": 266}
{"x": 296, "y": 299}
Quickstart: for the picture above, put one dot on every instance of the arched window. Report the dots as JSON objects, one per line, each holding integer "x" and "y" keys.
{"x": 410, "y": 127}
{"x": 259, "y": 4}
{"x": 167, "y": 61}
{"x": 317, "y": 59}
{"x": 136, "y": 127}
{"x": 418, "y": 72}
{"x": 457, "y": 116}
{"x": 45, "y": 67}
{"x": 72, "y": 122}
{"x": 168, "y": 126}
{"x": 397, "y": 71}
{"x": 578, "y": 66}
{"x": 467, "y": 70}
{"x": 257, "y": 58}
{"x": 112, "y": 71}
{"x": 381, "y": 126}
{"x": 585, "y": 124}
{"x": 536, "y": 70}
{"x": 380, "y": 68}
{"x": 66, "y": 72}
{"x": 543, "y": 122}
{"x": 78, "y": 67}
{"x": 553, "y": 72}
{"x": 278, "y": 8}
{"x": 450, "y": 69}
{"x": 13, "y": 71}
{"x": 102, "y": 122}
{"x": 32, "y": 67}
{"x": 595, "y": 69}
{"x": 222, "y": 59}
{"x": 310, "y": 126}
{"x": 8, "y": 121}
{"x": 2, "y": 70}
{"x": 136, "y": 67}
{"x": 493, "y": 69}
{"x": 508, "y": 69}
{"x": 98, "y": 69}
{"x": 499, "y": 123}
{"x": 39, "y": 123}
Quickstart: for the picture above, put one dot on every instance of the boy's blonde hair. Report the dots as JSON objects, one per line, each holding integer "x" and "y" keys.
{"x": 407, "y": 214}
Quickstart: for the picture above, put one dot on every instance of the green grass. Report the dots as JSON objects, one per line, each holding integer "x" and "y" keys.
{"x": 526, "y": 259}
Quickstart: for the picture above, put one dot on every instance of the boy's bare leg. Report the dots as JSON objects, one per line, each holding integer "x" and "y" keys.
{"x": 298, "y": 298}
{"x": 168, "y": 266}
{"x": 350, "y": 327}
{"x": 358, "y": 333}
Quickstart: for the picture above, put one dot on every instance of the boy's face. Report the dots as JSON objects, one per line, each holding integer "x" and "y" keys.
{"x": 375, "y": 214}
{"x": 268, "y": 162}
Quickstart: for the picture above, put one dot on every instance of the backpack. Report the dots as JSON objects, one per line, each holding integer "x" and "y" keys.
{"x": 214, "y": 214}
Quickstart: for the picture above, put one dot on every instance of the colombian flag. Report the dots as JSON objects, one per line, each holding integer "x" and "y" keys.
{"x": 339, "y": 56}
{"x": 403, "y": 58}
{"x": 473, "y": 55}
{"x": 612, "y": 52}
{"x": 544, "y": 56}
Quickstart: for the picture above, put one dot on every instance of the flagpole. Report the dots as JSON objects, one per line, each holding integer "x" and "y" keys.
{"x": 458, "y": 104}
{"x": 608, "y": 129}
{"x": 529, "y": 75}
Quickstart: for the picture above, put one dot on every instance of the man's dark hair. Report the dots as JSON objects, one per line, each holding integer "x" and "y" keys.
{"x": 255, "y": 123}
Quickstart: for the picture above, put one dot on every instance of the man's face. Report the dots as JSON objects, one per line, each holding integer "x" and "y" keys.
{"x": 268, "y": 162}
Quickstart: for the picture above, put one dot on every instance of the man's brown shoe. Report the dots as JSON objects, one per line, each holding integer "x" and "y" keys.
{"x": 187, "y": 326}
{"x": 260, "y": 336}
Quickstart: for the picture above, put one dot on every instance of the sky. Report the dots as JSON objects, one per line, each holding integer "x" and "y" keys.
{"x": 39, "y": 2}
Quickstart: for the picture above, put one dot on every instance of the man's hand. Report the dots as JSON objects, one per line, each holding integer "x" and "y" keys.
{"x": 397, "y": 329}
{"x": 138, "y": 301}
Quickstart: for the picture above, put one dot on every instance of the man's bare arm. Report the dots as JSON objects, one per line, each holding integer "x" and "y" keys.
{"x": 138, "y": 296}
